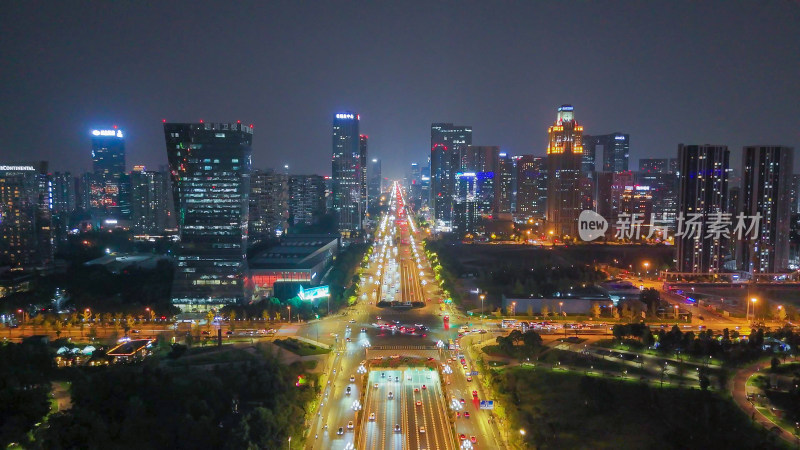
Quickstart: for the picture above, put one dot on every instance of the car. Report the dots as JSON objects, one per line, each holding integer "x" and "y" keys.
{"x": 229, "y": 333}
{"x": 347, "y": 391}
{"x": 379, "y": 318}
{"x": 419, "y": 403}
{"x": 352, "y": 321}
{"x": 474, "y": 393}
{"x": 375, "y": 386}
{"x": 349, "y": 340}
{"x": 466, "y": 414}
{"x": 473, "y": 439}
{"x": 134, "y": 331}
{"x": 421, "y": 429}
{"x": 397, "y": 428}
{"x": 424, "y": 387}
{"x": 458, "y": 414}
{"x": 350, "y": 425}
{"x": 416, "y": 389}
{"x": 390, "y": 396}
{"x": 397, "y": 379}
{"x": 383, "y": 374}
{"x": 325, "y": 426}
{"x": 352, "y": 378}
{"x": 462, "y": 436}
{"x": 363, "y": 330}
{"x": 340, "y": 431}
{"x": 469, "y": 378}
{"x": 462, "y": 401}
{"x": 371, "y": 417}
{"x": 206, "y": 333}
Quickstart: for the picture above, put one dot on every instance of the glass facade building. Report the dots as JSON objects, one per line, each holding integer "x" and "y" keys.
{"x": 564, "y": 163}
{"x": 210, "y": 172}
{"x": 108, "y": 174}
{"x": 346, "y": 172}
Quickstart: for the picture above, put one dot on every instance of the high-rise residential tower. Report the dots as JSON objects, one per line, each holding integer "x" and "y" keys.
{"x": 504, "y": 175}
{"x": 149, "y": 196}
{"x": 108, "y": 174}
{"x": 564, "y": 159}
{"x": 531, "y": 187}
{"x": 362, "y": 158}
{"x": 766, "y": 185}
{"x": 346, "y": 173}
{"x": 210, "y": 170}
{"x": 269, "y": 205}
{"x": 702, "y": 196}
{"x": 447, "y": 143}
{"x": 306, "y": 199}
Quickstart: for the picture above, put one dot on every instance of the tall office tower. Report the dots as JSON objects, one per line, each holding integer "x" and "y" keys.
{"x": 734, "y": 199}
{"x": 795, "y": 195}
{"x": 210, "y": 170}
{"x": 531, "y": 187}
{"x": 149, "y": 207}
{"x": 564, "y": 158}
{"x": 589, "y": 158}
{"x": 374, "y": 179}
{"x": 703, "y": 171}
{"x": 414, "y": 183}
{"x": 306, "y": 199}
{"x": 346, "y": 173}
{"x": 766, "y": 188}
{"x": 615, "y": 147}
{"x": 447, "y": 143}
{"x": 25, "y": 215}
{"x": 425, "y": 185}
{"x": 108, "y": 168}
{"x": 362, "y": 153}
{"x": 469, "y": 201}
{"x": 503, "y": 185}
{"x": 514, "y": 160}
{"x": 269, "y": 205}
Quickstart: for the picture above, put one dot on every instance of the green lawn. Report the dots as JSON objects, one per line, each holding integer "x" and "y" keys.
{"x": 215, "y": 355}
{"x": 299, "y": 347}
{"x": 562, "y": 410}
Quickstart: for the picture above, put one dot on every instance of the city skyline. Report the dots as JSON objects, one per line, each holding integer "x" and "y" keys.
{"x": 659, "y": 100}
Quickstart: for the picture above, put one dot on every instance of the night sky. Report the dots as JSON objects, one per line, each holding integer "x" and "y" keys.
{"x": 666, "y": 72}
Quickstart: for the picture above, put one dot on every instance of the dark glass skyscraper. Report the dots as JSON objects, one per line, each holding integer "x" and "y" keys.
{"x": 374, "y": 179}
{"x": 210, "y": 171}
{"x": 346, "y": 173}
{"x": 531, "y": 187}
{"x": 447, "y": 143}
{"x": 616, "y": 150}
{"x": 108, "y": 174}
{"x": 703, "y": 175}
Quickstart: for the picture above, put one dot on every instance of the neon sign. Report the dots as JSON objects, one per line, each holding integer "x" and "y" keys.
{"x": 117, "y": 133}
{"x": 345, "y": 116}
{"x": 314, "y": 293}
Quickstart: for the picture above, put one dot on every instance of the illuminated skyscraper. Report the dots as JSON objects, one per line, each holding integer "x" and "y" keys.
{"x": 503, "y": 184}
{"x": 531, "y": 187}
{"x": 703, "y": 191}
{"x": 564, "y": 160}
{"x": 210, "y": 170}
{"x": 374, "y": 180}
{"x": 616, "y": 150}
{"x": 269, "y": 205}
{"x": 447, "y": 143}
{"x": 108, "y": 174}
{"x": 26, "y": 234}
{"x": 766, "y": 191}
{"x": 362, "y": 165}
{"x": 346, "y": 173}
{"x": 306, "y": 199}
{"x": 149, "y": 208}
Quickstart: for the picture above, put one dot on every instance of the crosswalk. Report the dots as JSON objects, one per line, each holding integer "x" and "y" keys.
{"x": 403, "y": 347}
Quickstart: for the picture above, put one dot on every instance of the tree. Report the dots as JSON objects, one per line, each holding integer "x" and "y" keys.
{"x": 595, "y": 310}
{"x": 232, "y": 318}
{"x": 209, "y": 319}
{"x": 545, "y": 311}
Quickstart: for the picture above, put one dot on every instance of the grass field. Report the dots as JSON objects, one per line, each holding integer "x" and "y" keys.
{"x": 299, "y": 347}
{"x": 567, "y": 410}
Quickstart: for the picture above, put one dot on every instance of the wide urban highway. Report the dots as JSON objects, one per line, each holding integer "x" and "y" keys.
{"x": 398, "y": 271}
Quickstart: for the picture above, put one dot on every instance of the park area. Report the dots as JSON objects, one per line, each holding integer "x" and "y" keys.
{"x": 569, "y": 410}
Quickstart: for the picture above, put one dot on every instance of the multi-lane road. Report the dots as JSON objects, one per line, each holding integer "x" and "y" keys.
{"x": 427, "y": 417}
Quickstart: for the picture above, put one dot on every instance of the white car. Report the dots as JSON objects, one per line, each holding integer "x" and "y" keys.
{"x": 350, "y": 425}
{"x": 421, "y": 429}
{"x": 391, "y": 396}
{"x": 371, "y": 417}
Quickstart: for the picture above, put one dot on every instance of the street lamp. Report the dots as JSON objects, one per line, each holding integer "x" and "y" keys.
{"x": 747, "y": 314}
{"x": 560, "y": 304}
{"x": 646, "y": 268}
{"x": 289, "y": 307}
{"x": 676, "y": 312}
{"x": 513, "y": 308}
